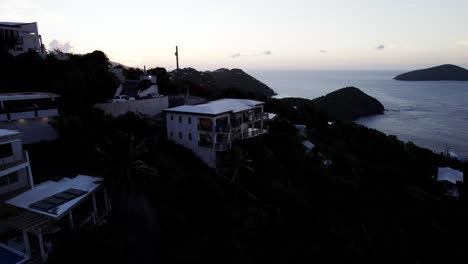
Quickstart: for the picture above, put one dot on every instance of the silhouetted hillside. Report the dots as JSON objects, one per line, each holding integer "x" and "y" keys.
{"x": 445, "y": 72}
{"x": 346, "y": 104}
{"x": 209, "y": 82}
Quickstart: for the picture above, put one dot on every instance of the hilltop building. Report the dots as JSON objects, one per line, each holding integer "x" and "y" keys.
{"x": 209, "y": 129}
{"x": 19, "y": 38}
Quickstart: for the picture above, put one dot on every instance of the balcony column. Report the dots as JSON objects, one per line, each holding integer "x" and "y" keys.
{"x": 95, "y": 210}
{"x": 30, "y": 177}
{"x": 41, "y": 245}
{"x": 213, "y": 133}
{"x": 26, "y": 243}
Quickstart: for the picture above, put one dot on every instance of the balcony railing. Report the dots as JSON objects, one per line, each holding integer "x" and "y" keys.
{"x": 223, "y": 146}
{"x": 205, "y": 128}
{"x": 248, "y": 133}
{"x": 12, "y": 161}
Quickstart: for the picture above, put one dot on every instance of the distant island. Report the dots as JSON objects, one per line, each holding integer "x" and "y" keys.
{"x": 346, "y": 104}
{"x": 445, "y": 72}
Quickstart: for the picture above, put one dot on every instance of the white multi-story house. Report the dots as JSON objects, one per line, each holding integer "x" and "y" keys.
{"x": 208, "y": 129}
{"x": 15, "y": 170}
{"x": 30, "y": 113}
{"x": 21, "y": 37}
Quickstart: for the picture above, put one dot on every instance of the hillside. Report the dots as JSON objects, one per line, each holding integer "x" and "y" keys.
{"x": 221, "y": 80}
{"x": 445, "y": 72}
{"x": 345, "y": 104}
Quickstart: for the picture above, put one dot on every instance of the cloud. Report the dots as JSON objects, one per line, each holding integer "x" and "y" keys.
{"x": 267, "y": 52}
{"x": 462, "y": 43}
{"x": 380, "y": 47}
{"x": 235, "y": 55}
{"x": 323, "y": 51}
{"x": 64, "y": 47}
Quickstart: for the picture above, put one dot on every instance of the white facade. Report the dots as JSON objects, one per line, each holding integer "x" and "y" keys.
{"x": 30, "y": 113}
{"x": 15, "y": 170}
{"x": 21, "y": 37}
{"x": 210, "y": 128}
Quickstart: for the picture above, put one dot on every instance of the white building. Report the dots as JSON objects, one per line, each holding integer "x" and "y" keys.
{"x": 46, "y": 211}
{"x": 15, "y": 170}
{"x": 210, "y": 128}
{"x": 450, "y": 178}
{"x": 30, "y": 113}
{"x": 21, "y": 37}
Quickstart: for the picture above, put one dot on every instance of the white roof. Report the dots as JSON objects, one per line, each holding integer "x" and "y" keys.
{"x": 308, "y": 145}
{"x": 26, "y": 96}
{"x": 450, "y": 175}
{"x": 50, "y": 188}
{"x": 217, "y": 107}
{"x": 6, "y": 132}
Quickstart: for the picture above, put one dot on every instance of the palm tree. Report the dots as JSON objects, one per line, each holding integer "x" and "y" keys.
{"x": 238, "y": 161}
{"x": 122, "y": 157}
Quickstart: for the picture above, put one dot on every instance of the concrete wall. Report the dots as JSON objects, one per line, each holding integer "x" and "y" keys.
{"x": 33, "y": 130}
{"x": 207, "y": 155}
{"x": 150, "y": 106}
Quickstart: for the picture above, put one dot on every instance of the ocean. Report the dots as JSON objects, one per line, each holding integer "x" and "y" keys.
{"x": 431, "y": 114}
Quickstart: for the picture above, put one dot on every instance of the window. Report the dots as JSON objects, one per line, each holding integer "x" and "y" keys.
{"x": 9, "y": 179}
{"x": 190, "y": 120}
{"x": 172, "y": 133}
{"x": 180, "y": 119}
{"x": 6, "y": 150}
{"x": 172, "y": 117}
{"x": 190, "y": 136}
{"x": 180, "y": 135}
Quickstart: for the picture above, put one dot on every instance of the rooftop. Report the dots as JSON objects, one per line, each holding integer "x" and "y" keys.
{"x": 13, "y": 24}
{"x": 26, "y": 96}
{"x": 217, "y": 107}
{"x": 48, "y": 189}
{"x": 450, "y": 175}
{"x": 7, "y": 133}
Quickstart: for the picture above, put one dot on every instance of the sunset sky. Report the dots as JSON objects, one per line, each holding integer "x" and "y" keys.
{"x": 255, "y": 34}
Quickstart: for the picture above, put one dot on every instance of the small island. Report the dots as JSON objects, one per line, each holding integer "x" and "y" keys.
{"x": 445, "y": 72}
{"x": 346, "y": 104}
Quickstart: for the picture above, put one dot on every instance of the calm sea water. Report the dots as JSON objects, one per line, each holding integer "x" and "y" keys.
{"x": 431, "y": 114}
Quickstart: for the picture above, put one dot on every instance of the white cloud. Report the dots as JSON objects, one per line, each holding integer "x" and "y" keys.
{"x": 235, "y": 55}
{"x": 380, "y": 47}
{"x": 64, "y": 47}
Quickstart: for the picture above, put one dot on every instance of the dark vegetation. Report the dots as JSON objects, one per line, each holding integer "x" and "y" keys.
{"x": 361, "y": 196}
{"x": 82, "y": 80}
{"x": 445, "y": 72}
{"x": 375, "y": 201}
{"x": 222, "y": 82}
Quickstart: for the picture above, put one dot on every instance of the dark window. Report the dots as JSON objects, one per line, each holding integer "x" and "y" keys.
{"x": 3, "y": 181}
{"x": 180, "y": 119}
{"x": 190, "y": 137}
{"x": 13, "y": 177}
{"x": 180, "y": 135}
{"x": 172, "y": 134}
{"x": 6, "y": 151}
{"x": 172, "y": 117}
{"x": 9, "y": 179}
{"x": 190, "y": 120}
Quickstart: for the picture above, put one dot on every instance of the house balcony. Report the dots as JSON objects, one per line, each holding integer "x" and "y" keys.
{"x": 28, "y": 114}
{"x": 12, "y": 164}
{"x": 219, "y": 146}
{"x": 253, "y": 132}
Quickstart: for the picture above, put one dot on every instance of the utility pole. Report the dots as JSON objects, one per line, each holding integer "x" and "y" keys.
{"x": 177, "y": 62}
